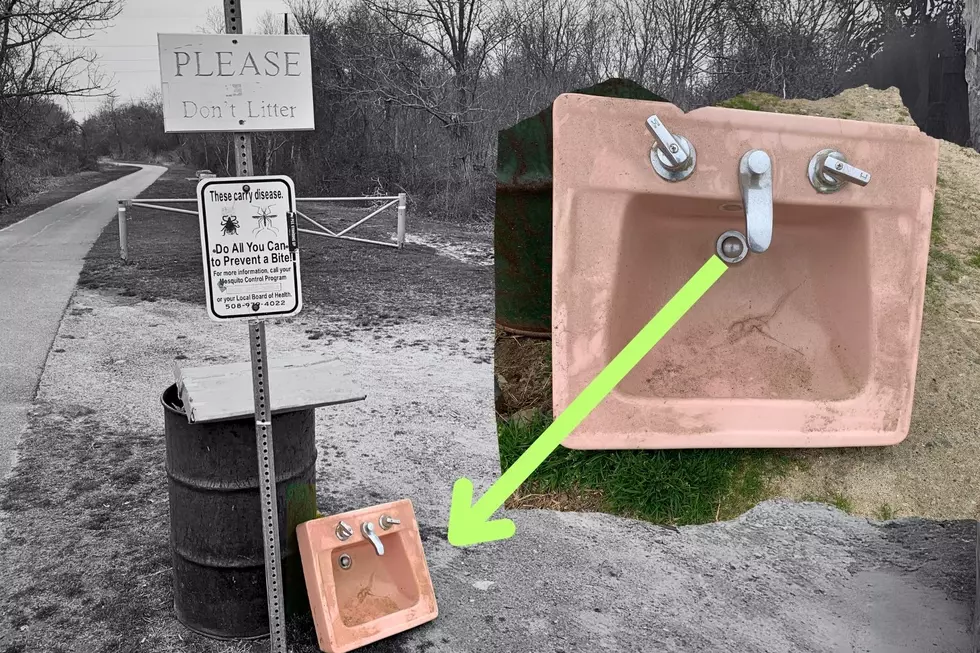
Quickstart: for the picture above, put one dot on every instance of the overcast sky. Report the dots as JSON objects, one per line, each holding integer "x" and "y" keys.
{"x": 128, "y": 48}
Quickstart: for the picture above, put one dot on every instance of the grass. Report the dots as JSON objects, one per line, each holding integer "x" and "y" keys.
{"x": 740, "y": 102}
{"x": 667, "y": 487}
{"x": 61, "y": 189}
{"x": 942, "y": 263}
{"x": 165, "y": 262}
{"x": 836, "y": 499}
{"x": 973, "y": 260}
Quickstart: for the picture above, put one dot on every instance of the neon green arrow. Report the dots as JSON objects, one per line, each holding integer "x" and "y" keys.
{"x": 468, "y": 522}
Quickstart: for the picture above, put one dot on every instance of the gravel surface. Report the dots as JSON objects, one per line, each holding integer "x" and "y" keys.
{"x": 784, "y": 577}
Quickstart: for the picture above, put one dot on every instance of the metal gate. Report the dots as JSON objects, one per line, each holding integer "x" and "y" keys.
{"x": 166, "y": 204}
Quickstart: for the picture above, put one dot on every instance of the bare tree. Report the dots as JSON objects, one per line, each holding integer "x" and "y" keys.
{"x": 214, "y": 21}
{"x": 38, "y": 61}
{"x": 459, "y": 35}
{"x": 638, "y": 54}
{"x": 32, "y": 61}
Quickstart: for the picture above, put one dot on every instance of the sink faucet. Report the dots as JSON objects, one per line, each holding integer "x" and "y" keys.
{"x": 755, "y": 180}
{"x": 367, "y": 529}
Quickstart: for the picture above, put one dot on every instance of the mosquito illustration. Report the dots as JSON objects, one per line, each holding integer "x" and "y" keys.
{"x": 264, "y": 217}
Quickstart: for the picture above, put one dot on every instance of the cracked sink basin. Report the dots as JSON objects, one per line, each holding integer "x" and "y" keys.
{"x": 356, "y": 595}
{"x": 810, "y": 343}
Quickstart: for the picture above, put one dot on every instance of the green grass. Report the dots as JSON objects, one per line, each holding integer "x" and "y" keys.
{"x": 740, "y": 102}
{"x": 974, "y": 259}
{"x": 886, "y": 512}
{"x": 836, "y": 499}
{"x": 938, "y": 221}
{"x": 674, "y": 487}
{"x": 944, "y": 264}
{"x": 756, "y": 101}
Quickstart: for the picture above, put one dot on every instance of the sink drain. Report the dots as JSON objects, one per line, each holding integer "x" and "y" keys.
{"x": 732, "y": 247}
{"x": 345, "y": 561}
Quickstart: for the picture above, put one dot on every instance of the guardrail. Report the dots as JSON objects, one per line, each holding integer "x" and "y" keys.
{"x": 392, "y": 200}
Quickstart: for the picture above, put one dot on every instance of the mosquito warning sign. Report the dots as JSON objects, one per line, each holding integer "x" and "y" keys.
{"x": 248, "y": 241}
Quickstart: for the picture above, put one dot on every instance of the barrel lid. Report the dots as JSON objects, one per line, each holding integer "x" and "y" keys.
{"x": 221, "y": 392}
{"x": 524, "y": 151}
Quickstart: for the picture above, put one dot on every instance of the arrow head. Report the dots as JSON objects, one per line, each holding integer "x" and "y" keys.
{"x": 466, "y": 526}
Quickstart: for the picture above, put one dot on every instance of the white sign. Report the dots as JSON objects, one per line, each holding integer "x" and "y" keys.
{"x": 234, "y": 82}
{"x": 248, "y": 238}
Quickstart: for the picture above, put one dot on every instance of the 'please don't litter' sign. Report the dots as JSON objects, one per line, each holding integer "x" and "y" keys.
{"x": 235, "y": 82}
{"x": 248, "y": 241}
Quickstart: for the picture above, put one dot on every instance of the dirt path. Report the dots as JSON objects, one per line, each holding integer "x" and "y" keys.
{"x": 40, "y": 259}
{"x": 934, "y": 472}
{"x": 59, "y": 189}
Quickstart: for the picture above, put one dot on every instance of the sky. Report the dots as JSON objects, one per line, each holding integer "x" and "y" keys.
{"x": 127, "y": 48}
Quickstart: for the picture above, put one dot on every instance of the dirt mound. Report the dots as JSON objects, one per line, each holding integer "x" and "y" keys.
{"x": 933, "y": 472}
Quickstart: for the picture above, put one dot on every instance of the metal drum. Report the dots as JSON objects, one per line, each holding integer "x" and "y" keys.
{"x": 216, "y": 517}
{"x": 522, "y": 218}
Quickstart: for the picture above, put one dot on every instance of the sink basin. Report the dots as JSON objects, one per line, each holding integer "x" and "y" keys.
{"x": 377, "y": 595}
{"x": 811, "y": 343}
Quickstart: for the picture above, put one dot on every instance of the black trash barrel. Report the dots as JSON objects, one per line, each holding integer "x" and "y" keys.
{"x": 216, "y": 517}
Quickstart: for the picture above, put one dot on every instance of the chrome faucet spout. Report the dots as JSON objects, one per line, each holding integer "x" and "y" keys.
{"x": 755, "y": 180}
{"x": 367, "y": 529}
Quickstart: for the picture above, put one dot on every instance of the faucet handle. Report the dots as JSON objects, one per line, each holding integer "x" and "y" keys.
{"x": 829, "y": 170}
{"x": 665, "y": 140}
{"x": 387, "y": 521}
{"x": 673, "y": 157}
{"x": 842, "y": 169}
{"x": 343, "y": 531}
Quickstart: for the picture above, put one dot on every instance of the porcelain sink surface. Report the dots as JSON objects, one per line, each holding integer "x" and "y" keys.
{"x": 811, "y": 343}
{"x": 376, "y": 596}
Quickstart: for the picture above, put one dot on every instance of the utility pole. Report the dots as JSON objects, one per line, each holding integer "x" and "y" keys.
{"x": 263, "y": 409}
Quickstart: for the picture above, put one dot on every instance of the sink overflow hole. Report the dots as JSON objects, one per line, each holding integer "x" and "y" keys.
{"x": 731, "y": 207}
{"x": 345, "y": 561}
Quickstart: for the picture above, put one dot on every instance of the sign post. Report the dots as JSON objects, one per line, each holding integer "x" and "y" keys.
{"x": 240, "y": 84}
{"x": 263, "y": 413}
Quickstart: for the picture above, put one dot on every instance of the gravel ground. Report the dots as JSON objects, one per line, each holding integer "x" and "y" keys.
{"x": 784, "y": 577}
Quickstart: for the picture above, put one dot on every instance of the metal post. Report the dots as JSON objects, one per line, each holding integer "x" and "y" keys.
{"x": 267, "y": 485}
{"x": 123, "y": 242}
{"x": 402, "y": 197}
{"x": 263, "y": 412}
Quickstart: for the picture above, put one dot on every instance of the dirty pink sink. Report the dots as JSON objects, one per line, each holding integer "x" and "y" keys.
{"x": 366, "y": 575}
{"x": 810, "y": 343}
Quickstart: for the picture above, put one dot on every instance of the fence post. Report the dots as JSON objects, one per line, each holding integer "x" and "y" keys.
{"x": 123, "y": 244}
{"x": 402, "y": 197}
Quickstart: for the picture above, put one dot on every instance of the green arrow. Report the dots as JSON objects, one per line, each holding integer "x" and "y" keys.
{"x": 468, "y": 522}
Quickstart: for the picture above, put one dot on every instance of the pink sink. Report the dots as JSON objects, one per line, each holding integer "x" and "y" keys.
{"x": 364, "y": 587}
{"x": 811, "y": 343}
